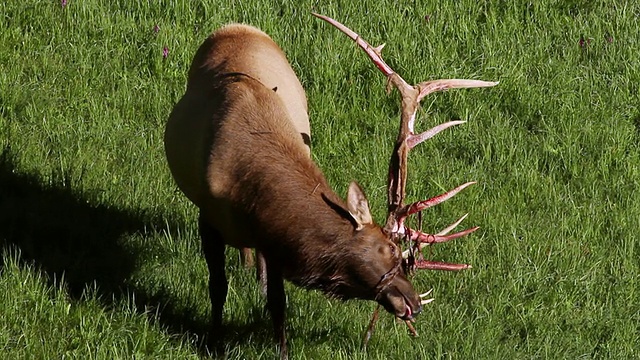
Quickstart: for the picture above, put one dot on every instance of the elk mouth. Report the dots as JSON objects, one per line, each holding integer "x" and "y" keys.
{"x": 408, "y": 312}
{"x": 398, "y": 304}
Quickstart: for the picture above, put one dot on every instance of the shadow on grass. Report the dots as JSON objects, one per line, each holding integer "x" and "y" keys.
{"x": 62, "y": 234}
{"x": 257, "y": 329}
{"x": 67, "y": 237}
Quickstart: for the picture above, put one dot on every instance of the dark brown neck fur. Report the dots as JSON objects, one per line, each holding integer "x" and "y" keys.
{"x": 283, "y": 190}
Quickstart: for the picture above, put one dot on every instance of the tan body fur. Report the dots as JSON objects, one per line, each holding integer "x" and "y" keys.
{"x": 218, "y": 55}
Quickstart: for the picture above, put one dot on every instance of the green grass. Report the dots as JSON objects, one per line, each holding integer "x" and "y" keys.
{"x": 100, "y": 253}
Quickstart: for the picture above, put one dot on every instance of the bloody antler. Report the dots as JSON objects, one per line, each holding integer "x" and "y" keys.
{"x": 397, "y": 178}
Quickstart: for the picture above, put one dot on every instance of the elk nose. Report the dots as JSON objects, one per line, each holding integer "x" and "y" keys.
{"x": 411, "y": 313}
{"x": 415, "y": 312}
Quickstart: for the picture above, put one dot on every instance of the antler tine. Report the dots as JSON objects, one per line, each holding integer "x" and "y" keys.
{"x": 422, "y": 239}
{"x": 402, "y": 213}
{"x": 437, "y": 265}
{"x": 425, "y": 204}
{"x": 448, "y": 229}
{"x": 442, "y": 232}
{"x": 414, "y": 140}
{"x": 429, "y": 87}
{"x": 429, "y": 239}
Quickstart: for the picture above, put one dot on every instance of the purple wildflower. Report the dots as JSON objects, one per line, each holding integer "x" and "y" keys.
{"x": 584, "y": 42}
{"x": 63, "y": 3}
{"x": 156, "y": 28}
{"x": 165, "y": 52}
{"x": 427, "y": 18}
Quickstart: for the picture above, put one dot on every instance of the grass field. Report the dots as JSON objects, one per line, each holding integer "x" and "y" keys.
{"x": 100, "y": 253}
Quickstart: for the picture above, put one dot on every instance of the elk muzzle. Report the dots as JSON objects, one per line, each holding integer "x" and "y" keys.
{"x": 398, "y": 297}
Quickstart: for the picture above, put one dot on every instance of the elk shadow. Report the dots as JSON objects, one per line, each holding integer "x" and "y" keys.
{"x": 63, "y": 234}
{"x": 67, "y": 237}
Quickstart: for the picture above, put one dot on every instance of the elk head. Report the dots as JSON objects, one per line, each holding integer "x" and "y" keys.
{"x": 372, "y": 263}
{"x": 395, "y": 228}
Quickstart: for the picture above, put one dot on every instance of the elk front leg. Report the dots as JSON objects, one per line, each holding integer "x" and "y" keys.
{"x": 276, "y": 302}
{"x": 213, "y": 247}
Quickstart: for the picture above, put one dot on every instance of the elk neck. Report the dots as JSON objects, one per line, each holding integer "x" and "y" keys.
{"x": 285, "y": 194}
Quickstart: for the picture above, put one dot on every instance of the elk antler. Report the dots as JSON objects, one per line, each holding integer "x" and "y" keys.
{"x": 398, "y": 212}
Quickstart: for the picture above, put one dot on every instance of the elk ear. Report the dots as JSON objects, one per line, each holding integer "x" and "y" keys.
{"x": 341, "y": 211}
{"x": 358, "y": 205}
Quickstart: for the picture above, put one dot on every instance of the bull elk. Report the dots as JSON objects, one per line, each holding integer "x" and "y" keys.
{"x": 237, "y": 146}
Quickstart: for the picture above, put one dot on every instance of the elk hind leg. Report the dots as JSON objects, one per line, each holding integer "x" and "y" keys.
{"x": 261, "y": 273}
{"x": 246, "y": 257}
